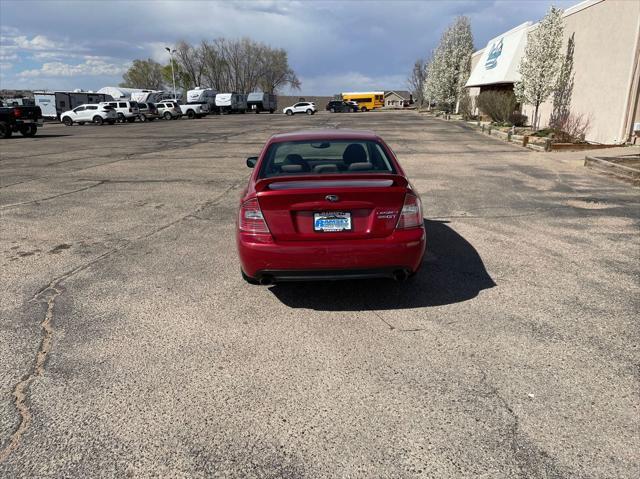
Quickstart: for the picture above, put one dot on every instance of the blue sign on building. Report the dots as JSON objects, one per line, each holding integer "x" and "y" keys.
{"x": 494, "y": 53}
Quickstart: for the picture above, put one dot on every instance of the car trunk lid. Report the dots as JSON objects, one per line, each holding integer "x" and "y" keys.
{"x": 300, "y": 208}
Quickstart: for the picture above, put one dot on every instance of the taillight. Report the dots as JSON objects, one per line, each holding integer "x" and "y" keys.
{"x": 411, "y": 214}
{"x": 251, "y": 219}
{"x": 17, "y": 112}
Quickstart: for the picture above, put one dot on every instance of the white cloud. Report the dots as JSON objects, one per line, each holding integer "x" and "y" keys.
{"x": 53, "y": 55}
{"x": 39, "y": 42}
{"x": 6, "y": 56}
{"x": 92, "y": 66}
{"x": 5, "y": 66}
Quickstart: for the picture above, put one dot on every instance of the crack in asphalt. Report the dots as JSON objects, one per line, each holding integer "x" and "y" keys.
{"x": 21, "y": 389}
{"x": 48, "y": 198}
{"x": 391, "y": 326}
{"x": 48, "y": 295}
{"x": 532, "y": 461}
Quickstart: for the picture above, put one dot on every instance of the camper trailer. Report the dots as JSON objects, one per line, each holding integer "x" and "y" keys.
{"x": 150, "y": 96}
{"x": 54, "y": 103}
{"x": 259, "y": 101}
{"x": 21, "y": 101}
{"x": 202, "y": 95}
{"x": 231, "y": 103}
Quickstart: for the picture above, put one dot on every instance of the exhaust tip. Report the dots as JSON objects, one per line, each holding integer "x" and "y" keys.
{"x": 266, "y": 280}
{"x": 400, "y": 275}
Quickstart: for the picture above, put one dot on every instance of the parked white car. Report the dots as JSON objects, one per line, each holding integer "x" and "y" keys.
{"x": 169, "y": 110}
{"x": 126, "y": 110}
{"x": 307, "y": 107}
{"x": 89, "y": 113}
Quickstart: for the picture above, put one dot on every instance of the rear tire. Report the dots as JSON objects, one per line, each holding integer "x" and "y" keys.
{"x": 289, "y": 113}
{"x": 29, "y": 130}
{"x": 120, "y": 117}
{"x": 364, "y": 108}
{"x": 98, "y": 120}
{"x": 5, "y": 130}
{"x": 67, "y": 121}
{"x": 332, "y": 110}
{"x": 249, "y": 279}
{"x": 167, "y": 115}
{"x": 142, "y": 117}
{"x": 309, "y": 111}
{"x": 191, "y": 114}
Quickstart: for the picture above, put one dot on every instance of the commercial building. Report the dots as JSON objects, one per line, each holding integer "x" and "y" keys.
{"x": 606, "y": 65}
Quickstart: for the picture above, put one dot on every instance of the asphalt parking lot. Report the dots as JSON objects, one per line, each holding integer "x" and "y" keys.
{"x": 131, "y": 347}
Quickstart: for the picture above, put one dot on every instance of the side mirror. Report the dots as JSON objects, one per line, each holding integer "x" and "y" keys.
{"x": 251, "y": 161}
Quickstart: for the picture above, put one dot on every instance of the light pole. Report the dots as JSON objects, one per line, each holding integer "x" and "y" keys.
{"x": 173, "y": 73}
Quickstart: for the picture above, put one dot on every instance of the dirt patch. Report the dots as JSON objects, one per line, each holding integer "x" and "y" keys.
{"x": 60, "y": 248}
{"x": 591, "y": 204}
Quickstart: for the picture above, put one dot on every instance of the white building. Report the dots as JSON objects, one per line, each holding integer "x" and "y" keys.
{"x": 606, "y": 67}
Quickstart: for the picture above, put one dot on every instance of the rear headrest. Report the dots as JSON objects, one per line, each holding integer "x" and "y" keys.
{"x": 291, "y": 168}
{"x": 364, "y": 166}
{"x": 295, "y": 159}
{"x": 325, "y": 169}
{"x": 354, "y": 153}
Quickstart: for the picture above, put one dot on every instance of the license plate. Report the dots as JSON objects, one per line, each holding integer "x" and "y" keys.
{"x": 332, "y": 221}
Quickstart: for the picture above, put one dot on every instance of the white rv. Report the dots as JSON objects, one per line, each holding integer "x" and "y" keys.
{"x": 54, "y": 103}
{"x": 150, "y": 96}
{"x": 231, "y": 103}
{"x": 202, "y": 95}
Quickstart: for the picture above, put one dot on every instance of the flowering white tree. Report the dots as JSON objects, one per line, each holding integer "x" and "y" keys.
{"x": 541, "y": 62}
{"x": 450, "y": 65}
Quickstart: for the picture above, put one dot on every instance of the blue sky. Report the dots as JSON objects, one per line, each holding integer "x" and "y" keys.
{"x": 333, "y": 46}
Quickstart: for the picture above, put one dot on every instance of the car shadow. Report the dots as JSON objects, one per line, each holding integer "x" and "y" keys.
{"x": 452, "y": 271}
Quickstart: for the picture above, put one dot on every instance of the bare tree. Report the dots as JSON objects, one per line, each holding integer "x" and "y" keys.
{"x": 245, "y": 65}
{"x": 189, "y": 59}
{"x": 416, "y": 80}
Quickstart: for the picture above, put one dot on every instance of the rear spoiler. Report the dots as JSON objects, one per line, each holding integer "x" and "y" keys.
{"x": 345, "y": 180}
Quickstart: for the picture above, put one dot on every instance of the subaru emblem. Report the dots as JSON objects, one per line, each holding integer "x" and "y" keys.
{"x": 332, "y": 198}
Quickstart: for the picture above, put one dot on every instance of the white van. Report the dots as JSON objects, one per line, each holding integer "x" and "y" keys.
{"x": 125, "y": 109}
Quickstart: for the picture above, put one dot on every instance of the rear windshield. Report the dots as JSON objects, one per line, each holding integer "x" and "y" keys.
{"x": 325, "y": 157}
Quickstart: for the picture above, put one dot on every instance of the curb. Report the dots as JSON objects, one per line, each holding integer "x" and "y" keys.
{"x": 620, "y": 171}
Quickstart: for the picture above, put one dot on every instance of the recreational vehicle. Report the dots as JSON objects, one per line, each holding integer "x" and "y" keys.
{"x": 54, "y": 103}
{"x": 150, "y": 96}
{"x": 231, "y": 103}
{"x": 259, "y": 101}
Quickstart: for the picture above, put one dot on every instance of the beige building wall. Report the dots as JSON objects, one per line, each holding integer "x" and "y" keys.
{"x": 607, "y": 35}
{"x": 475, "y": 91}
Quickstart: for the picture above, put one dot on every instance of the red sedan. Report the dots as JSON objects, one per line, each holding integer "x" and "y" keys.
{"x": 328, "y": 204}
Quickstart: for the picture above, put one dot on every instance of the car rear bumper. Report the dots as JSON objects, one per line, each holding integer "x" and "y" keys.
{"x": 28, "y": 121}
{"x": 343, "y": 259}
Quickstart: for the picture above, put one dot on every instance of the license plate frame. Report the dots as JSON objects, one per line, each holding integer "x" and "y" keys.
{"x": 332, "y": 221}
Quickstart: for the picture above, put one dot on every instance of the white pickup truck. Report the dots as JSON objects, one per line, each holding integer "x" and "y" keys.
{"x": 193, "y": 110}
